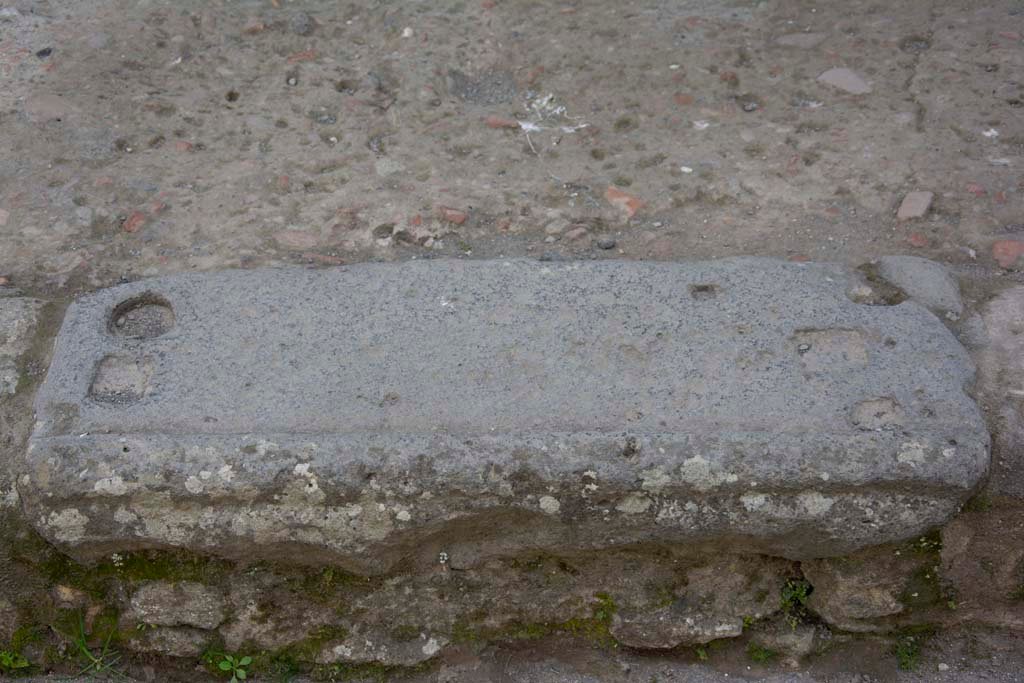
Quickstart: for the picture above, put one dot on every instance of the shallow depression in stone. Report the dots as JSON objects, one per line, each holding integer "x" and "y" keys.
{"x": 142, "y": 317}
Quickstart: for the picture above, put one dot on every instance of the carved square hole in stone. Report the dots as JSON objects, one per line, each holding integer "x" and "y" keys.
{"x": 703, "y": 291}
{"x": 121, "y": 379}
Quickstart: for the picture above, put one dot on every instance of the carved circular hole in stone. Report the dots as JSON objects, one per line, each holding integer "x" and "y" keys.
{"x": 874, "y": 290}
{"x": 142, "y": 317}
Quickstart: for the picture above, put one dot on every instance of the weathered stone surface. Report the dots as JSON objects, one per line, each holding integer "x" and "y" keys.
{"x": 792, "y": 640}
{"x": 185, "y": 603}
{"x": 712, "y": 603}
{"x": 389, "y": 412}
{"x": 849, "y": 593}
{"x": 17, "y": 322}
{"x": 1000, "y": 351}
{"x": 983, "y": 563}
{"x": 379, "y": 647}
{"x": 271, "y": 628}
{"x": 684, "y": 596}
{"x": 8, "y": 618}
{"x": 926, "y": 282}
{"x": 173, "y": 642}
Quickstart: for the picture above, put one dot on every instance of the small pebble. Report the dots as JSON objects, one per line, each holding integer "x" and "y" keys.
{"x": 844, "y": 79}
{"x": 943, "y": 667}
{"x": 606, "y": 243}
{"x": 576, "y": 233}
{"x": 44, "y": 53}
{"x": 302, "y": 23}
{"x": 914, "y": 205}
{"x": 749, "y": 106}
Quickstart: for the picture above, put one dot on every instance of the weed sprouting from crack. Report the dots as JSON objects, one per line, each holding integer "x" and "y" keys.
{"x": 103, "y": 662}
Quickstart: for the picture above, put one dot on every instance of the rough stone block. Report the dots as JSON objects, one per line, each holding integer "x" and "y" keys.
{"x": 400, "y": 413}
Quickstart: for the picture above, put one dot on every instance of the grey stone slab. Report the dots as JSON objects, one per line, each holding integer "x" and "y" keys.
{"x": 386, "y": 413}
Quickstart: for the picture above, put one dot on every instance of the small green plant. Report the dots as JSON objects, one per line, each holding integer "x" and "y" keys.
{"x": 795, "y": 594}
{"x": 97, "y": 663}
{"x": 908, "y": 646}
{"x": 604, "y": 609}
{"x": 12, "y": 661}
{"x": 702, "y": 653}
{"x": 235, "y": 666}
{"x": 907, "y": 651}
{"x": 759, "y": 654}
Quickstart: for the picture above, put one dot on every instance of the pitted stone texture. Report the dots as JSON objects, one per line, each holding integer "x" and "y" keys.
{"x": 791, "y": 640}
{"x": 390, "y": 412}
{"x": 857, "y": 593}
{"x": 713, "y": 602}
{"x": 173, "y": 642}
{"x": 185, "y": 603}
{"x": 405, "y": 619}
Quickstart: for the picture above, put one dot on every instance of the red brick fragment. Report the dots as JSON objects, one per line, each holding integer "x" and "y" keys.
{"x": 135, "y": 220}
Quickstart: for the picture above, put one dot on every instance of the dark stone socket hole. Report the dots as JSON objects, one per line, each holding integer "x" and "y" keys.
{"x": 142, "y": 317}
{"x": 883, "y": 292}
{"x": 703, "y": 291}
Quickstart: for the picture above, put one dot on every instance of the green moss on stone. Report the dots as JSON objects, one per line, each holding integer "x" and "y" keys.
{"x": 595, "y": 628}
{"x": 923, "y": 588}
{"x": 147, "y": 565}
{"x": 759, "y": 654}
